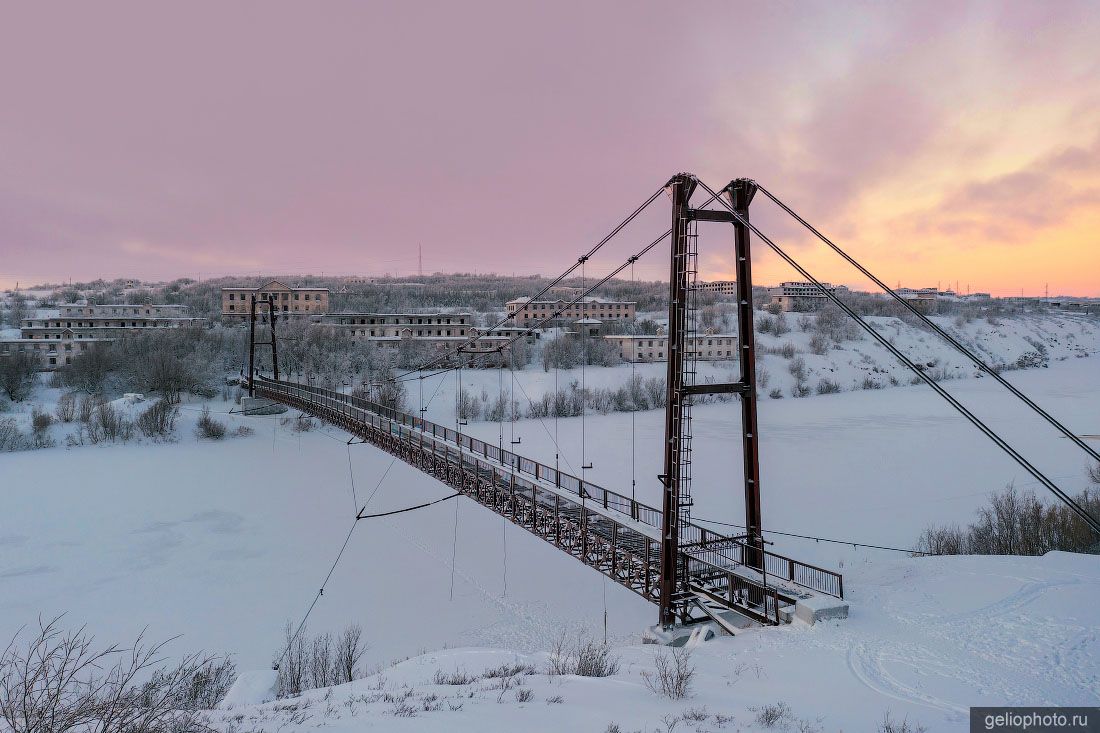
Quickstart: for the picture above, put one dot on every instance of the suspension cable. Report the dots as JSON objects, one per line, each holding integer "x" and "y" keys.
{"x": 633, "y": 405}
{"x": 566, "y": 273}
{"x": 525, "y": 332}
{"x": 931, "y": 324}
{"x": 1091, "y": 521}
{"x": 584, "y": 359}
{"x": 817, "y": 539}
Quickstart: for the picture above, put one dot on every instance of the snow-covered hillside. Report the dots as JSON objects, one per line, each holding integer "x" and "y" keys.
{"x": 851, "y": 363}
{"x": 224, "y": 542}
{"x": 927, "y": 639}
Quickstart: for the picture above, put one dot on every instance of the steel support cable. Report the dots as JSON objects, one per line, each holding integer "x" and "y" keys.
{"x": 817, "y": 539}
{"x": 1091, "y": 521}
{"x": 434, "y": 393}
{"x": 931, "y": 324}
{"x": 568, "y": 271}
{"x": 553, "y": 436}
{"x": 408, "y": 508}
{"x": 340, "y": 555}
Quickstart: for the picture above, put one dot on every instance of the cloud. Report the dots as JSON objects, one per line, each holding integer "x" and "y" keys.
{"x": 189, "y": 255}
{"x": 1015, "y": 207}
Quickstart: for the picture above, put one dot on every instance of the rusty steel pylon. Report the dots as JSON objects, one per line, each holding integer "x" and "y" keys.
{"x": 676, "y": 503}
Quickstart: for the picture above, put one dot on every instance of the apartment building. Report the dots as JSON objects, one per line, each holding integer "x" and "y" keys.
{"x": 646, "y": 348}
{"x": 51, "y": 353}
{"x": 59, "y": 334}
{"x": 525, "y": 311}
{"x": 390, "y": 330}
{"x": 801, "y": 296}
{"x": 286, "y": 300}
{"x": 718, "y": 287}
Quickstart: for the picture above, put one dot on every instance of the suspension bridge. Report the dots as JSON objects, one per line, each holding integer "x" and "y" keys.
{"x": 691, "y": 573}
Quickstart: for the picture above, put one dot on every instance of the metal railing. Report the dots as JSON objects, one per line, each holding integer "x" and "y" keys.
{"x": 695, "y": 540}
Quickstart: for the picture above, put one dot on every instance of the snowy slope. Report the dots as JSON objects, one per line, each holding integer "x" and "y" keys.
{"x": 927, "y": 639}
{"x": 853, "y": 365}
{"x": 224, "y": 542}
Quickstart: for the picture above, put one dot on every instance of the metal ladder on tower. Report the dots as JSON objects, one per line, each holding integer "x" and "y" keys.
{"x": 691, "y": 365}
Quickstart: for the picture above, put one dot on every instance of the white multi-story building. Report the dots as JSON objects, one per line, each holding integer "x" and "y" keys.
{"x": 719, "y": 287}
{"x": 442, "y": 330}
{"x": 57, "y": 335}
{"x": 525, "y": 311}
{"x": 389, "y": 326}
{"x": 802, "y": 296}
{"x": 704, "y": 347}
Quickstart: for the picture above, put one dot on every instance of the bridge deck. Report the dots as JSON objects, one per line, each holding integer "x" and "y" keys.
{"x": 612, "y": 533}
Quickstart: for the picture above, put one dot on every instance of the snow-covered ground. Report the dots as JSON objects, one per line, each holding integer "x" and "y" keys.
{"x": 224, "y": 542}
{"x": 927, "y": 639}
{"x": 856, "y": 364}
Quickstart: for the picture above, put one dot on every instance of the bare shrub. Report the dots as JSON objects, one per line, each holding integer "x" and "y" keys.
{"x": 773, "y": 716}
{"x": 402, "y": 709}
{"x": 159, "y": 420}
{"x": 673, "y": 674}
{"x": 66, "y": 407}
{"x": 208, "y": 683}
{"x": 776, "y": 394}
{"x": 555, "y": 700}
{"x": 209, "y": 428}
{"x": 455, "y": 678}
{"x": 834, "y": 323}
{"x": 350, "y": 648}
{"x": 870, "y": 383}
{"x": 17, "y": 373}
{"x": 291, "y": 665}
{"x": 87, "y": 406}
{"x": 89, "y": 370}
{"x": 524, "y": 695}
{"x": 889, "y": 725}
{"x": 797, "y": 368}
{"x": 1017, "y": 523}
{"x": 583, "y": 657}
{"x": 11, "y": 437}
{"x": 107, "y": 423}
{"x": 1093, "y": 473}
{"x": 787, "y": 350}
{"x": 59, "y": 681}
{"x": 243, "y": 431}
{"x": 819, "y": 344}
{"x": 40, "y": 429}
{"x": 508, "y": 670}
{"x": 801, "y": 389}
{"x": 322, "y": 661}
{"x": 826, "y": 386}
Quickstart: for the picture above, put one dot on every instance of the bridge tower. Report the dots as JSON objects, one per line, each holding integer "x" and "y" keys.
{"x": 681, "y": 385}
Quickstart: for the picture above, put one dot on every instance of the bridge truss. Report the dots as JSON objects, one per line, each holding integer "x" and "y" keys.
{"x": 614, "y": 534}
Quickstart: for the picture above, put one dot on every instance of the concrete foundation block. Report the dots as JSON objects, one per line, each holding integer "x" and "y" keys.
{"x": 820, "y": 608}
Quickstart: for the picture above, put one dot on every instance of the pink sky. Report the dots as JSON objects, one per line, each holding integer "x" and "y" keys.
{"x": 940, "y": 141}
